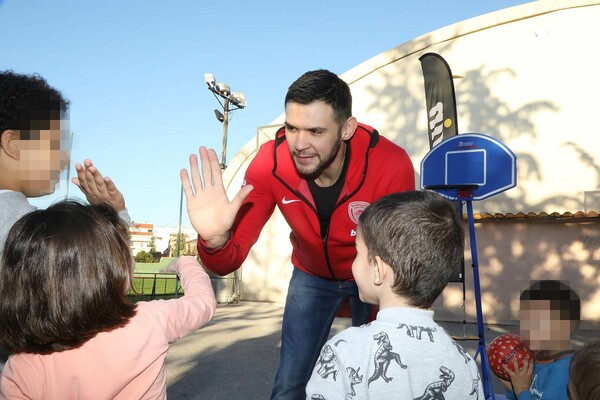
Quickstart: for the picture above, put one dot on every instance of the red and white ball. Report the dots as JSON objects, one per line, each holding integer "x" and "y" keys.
{"x": 503, "y": 350}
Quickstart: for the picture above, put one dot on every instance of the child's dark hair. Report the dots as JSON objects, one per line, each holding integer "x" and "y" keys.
{"x": 584, "y": 380}
{"x": 560, "y": 296}
{"x": 325, "y": 86}
{"x": 28, "y": 103}
{"x": 419, "y": 234}
{"x": 64, "y": 276}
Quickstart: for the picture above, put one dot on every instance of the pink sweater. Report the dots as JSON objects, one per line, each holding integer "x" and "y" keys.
{"x": 126, "y": 363}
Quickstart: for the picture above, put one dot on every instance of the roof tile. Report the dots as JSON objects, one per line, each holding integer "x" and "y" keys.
{"x": 579, "y": 215}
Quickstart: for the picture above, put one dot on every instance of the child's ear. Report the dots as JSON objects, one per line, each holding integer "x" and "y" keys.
{"x": 379, "y": 271}
{"x": 9, "y": 142}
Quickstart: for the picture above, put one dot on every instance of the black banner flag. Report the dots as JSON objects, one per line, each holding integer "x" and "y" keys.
{"x": 440, "y": 98}
{"x": 441, "y": 115}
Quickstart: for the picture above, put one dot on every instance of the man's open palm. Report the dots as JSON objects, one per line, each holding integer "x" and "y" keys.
{"x": 210, "y": 211}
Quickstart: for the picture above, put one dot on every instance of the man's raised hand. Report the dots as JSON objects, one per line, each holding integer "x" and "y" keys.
{"x": 210, "y": 211}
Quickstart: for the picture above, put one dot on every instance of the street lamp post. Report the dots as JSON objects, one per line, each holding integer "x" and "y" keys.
{"x": 229, "y": 101}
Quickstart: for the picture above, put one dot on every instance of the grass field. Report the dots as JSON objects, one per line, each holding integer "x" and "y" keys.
{"x": 149, "y": 283}
{"x": 153, "y": 267}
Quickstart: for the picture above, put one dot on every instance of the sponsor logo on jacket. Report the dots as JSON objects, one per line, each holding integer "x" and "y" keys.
{"x": 356, "y": 208}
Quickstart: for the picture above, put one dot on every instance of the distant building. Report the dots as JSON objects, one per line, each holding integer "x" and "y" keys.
{"x": 142, "y": 238}
{"x": 165, "y": 240}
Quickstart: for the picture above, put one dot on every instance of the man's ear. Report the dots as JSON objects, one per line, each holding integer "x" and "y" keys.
{"x": 9, "y": 142}
{"x": 349, "y": 128}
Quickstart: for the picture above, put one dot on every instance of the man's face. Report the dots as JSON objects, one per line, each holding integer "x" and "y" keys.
{"x": 42, "y": 157}
{"x": 313, "y": 136}
{"x": 542, "y": 328}
{"x": 362, "y": 270}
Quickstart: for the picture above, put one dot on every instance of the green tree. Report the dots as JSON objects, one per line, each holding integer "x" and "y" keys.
{"x": 184, "y": 249}
{"x": 144, "y": 257}
{"x": 152, "y": 244}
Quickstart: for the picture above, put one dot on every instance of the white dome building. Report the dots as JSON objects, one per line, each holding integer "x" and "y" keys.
{"x": 528, "y": 76}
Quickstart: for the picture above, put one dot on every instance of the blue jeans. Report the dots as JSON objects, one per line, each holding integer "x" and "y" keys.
{"x": 310, "y": 309}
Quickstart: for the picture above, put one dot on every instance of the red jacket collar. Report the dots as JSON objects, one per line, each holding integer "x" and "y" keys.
{"x": 364, "y": 139}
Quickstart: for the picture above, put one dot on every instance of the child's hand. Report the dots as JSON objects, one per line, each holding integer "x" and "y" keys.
{"x": 170, "y": 267}
{"x": 521, "y": 378}
{"x": 506, "y": 384}
{"x": 97, "y": 189}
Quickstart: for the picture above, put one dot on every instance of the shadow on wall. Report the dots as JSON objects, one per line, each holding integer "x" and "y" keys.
{"x": 511, "y": 254}
{"x": 268, "y": 267}
{"x": 402, "y": 99}
{"x": 586, "y": 159}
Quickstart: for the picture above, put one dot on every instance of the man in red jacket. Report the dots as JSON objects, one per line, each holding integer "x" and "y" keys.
{"x": 322, "y": 170}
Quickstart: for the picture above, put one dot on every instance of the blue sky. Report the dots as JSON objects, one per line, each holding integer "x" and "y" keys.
{"x": 133, "y": 71}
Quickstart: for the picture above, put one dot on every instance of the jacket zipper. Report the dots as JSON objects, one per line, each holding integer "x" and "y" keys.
{"x": 278, "y": 141}
{"x": 343, "y": 200}
{"x": 326, "y": 251}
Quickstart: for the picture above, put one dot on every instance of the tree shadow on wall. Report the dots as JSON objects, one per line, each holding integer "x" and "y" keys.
{"x": 512, "y": 254}
{"x": 478, "y": 109}
{"x": 508, "y": 259}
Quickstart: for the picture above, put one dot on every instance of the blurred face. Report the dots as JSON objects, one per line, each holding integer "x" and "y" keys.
{"x": 542, "y": 328}
{"x": 313, "y": 136}
{"x": 363, "y": 272}
{"x": 41, "y": 158}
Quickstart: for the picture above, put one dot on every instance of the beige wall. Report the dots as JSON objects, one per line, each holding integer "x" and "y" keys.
{"x": 513, "y": 252}
{"x": 528, "y": 78}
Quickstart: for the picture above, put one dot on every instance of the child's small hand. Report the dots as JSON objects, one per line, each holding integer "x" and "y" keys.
{"x": 506, "y": 384}
{"x": 97, "y": 189}
{"x": 170, "y": 267}
{"x": 521, "y": 377}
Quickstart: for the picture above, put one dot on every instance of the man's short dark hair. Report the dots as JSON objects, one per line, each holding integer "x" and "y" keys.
{"x": 28, "y": 103}
{"x": 584, "y": 380}
{"x": 325, "y": 86}
{"x": 419, "y": 234}
{"x": 63, "y": 278}
{"x": 560, "y": 296}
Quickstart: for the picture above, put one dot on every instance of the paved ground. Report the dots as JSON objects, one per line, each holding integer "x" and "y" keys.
{"x": 236, "y": 355}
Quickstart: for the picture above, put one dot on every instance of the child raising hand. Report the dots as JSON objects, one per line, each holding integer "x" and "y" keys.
{"x": 66, "y": 319}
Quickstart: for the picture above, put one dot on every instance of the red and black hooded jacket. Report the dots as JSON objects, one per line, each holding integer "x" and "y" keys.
{"x": 377, "y": 167}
